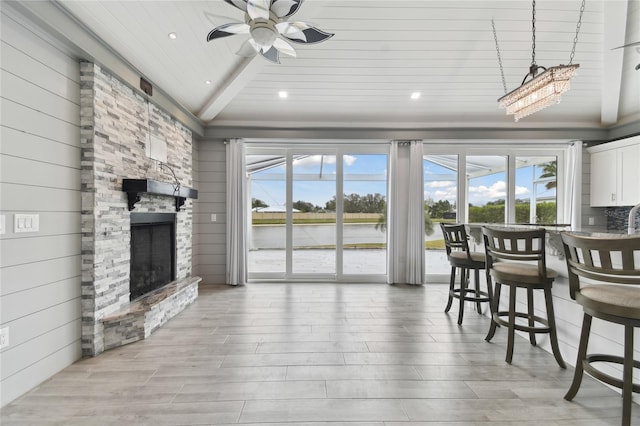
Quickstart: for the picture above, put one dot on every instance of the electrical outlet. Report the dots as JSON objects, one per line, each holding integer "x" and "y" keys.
{"x": 592, "y": 220}
{"x": 3, "y": 225}
{"x": 214, "y": 217}
{"x": 4, "y": 337}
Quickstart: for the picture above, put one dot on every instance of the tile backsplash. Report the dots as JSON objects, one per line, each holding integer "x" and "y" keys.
{"x": 617, "y": 218}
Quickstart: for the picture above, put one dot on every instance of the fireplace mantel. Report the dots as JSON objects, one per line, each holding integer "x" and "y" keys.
{"x": 135, "y": 187}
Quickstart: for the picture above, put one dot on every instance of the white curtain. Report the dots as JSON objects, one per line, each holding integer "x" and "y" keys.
{"x": 573, "y": 185}
{"x": 414, "y": 264}
{"x": 405, "y": 215}
{"x": 236, "y": 213}
{"x": 393, "y": 249}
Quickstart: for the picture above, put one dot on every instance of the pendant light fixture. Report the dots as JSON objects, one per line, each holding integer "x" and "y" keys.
{"x": 544, "y": 89}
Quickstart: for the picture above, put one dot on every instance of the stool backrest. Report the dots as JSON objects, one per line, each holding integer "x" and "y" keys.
{"x": 601, "y": 260}
{"x": 455, "y": 238}
{"x": 515, "y": 244}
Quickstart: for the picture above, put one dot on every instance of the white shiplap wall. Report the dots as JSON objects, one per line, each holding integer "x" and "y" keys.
{"x": 209, "y": 239}
{"x": 40, "y": 174}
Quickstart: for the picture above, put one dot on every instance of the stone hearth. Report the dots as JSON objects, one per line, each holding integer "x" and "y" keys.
{"x": 140, "y": 318}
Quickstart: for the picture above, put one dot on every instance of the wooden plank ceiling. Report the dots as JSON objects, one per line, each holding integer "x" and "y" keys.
{"x": 382, "y": 52}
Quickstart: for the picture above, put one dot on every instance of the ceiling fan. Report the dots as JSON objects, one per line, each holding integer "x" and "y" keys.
{"x": 637, "y": 43}
{"x": 267, "y": 22}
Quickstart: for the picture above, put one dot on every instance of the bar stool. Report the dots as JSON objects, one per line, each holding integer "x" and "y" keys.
{"x": 606, "y": 263}
{"x": 459, "y": 255}
{"x": 516, "y": 258}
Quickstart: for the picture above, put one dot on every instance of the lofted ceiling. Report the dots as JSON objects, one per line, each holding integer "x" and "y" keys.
{"x": 382, "y": 52}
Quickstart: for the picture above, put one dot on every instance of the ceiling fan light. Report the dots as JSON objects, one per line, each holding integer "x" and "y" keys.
{"x": 264, "y": 36}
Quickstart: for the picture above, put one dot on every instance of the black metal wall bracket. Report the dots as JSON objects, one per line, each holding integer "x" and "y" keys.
{"x": 136, "y": 187}
{"x": 132, "y": 199}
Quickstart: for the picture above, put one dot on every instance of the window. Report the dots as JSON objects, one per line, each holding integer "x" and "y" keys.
{"x": 486, "y": 177}
{"x": 536, "y": 181}
{"x": 488, "y": 183}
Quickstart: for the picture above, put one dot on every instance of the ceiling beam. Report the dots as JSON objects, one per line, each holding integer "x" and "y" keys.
{"x": 445, "y": 133}
{"x": 615, "y": 23}
{"x": 239, "y": 78}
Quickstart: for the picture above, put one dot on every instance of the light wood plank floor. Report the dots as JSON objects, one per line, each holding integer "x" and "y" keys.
{"x": 318, "y": 354}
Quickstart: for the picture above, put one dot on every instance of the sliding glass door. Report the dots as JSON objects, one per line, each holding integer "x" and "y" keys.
{"x": 301, "y": 228}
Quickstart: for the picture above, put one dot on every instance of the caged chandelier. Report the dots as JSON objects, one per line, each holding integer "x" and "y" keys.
{"x": 543, "y": 89}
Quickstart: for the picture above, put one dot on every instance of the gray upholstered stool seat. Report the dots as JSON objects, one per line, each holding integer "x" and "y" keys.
{"x": 611, "y": 299}
{"x": 519, "y": 272}
{"x": 460, "y": 257}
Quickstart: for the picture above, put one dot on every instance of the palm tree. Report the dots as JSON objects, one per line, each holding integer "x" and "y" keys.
{"x": 428, "y": 223}
{"x": 549, "y": 170}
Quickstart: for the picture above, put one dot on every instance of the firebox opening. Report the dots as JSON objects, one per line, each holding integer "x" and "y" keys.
{"x": 153, "y": 240}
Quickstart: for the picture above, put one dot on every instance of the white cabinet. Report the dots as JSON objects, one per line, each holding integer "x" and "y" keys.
{"x": 603, "y": 178}
{"x": 615, "y": 173}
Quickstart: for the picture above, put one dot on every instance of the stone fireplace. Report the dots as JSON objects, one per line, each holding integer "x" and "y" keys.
{"x": 117, "y": 125}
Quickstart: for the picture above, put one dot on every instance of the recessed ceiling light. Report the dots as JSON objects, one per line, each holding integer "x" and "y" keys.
{"x": 207, "y": 82}
{"x": 415, "y": 95}
{"x": 173, "y": 36}
{"x": 282, "y": 94}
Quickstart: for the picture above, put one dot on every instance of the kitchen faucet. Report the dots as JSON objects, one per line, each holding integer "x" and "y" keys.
{"x": 631, "y": 227}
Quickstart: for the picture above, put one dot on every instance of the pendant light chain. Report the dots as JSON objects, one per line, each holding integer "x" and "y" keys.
{"x": 575, "y": 39}
{"x": 533, "y": 33}
{"x": 495, "y": 37}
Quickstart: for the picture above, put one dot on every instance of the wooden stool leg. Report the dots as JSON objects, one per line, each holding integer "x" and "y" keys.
{"x": 489, "y": 292}
{"x": 463, "y": 293}
{"x": 512, "y": 323}
{"x": 531, "y": 313}
{"x": 627, "y": 376}
{"x": 553, "y": 334}
{"x": 476, "y": 277}
{"x": 494, "y": 306}
{"x": 582, "y": 354}
{"x": 451, "y": 286}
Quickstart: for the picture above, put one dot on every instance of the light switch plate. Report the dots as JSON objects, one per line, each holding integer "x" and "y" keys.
{"x": 26, "y": 223}
{"x": 4, "y": 337}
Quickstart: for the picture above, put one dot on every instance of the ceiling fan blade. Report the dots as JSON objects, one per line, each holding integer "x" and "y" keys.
{"x": 312, "y": 35}
{"x": 293, "y": 30}
{"x": 284, "y": 47}
{"x": 637, "y": 43}
{"x": 248, "y": 49}
{"x": 258, "y": 9}
{"x": 271, "y": 55}
{"x": 227, "y": 30}
{"x": 285, "y": 8}
{"x": 240, "y": 4}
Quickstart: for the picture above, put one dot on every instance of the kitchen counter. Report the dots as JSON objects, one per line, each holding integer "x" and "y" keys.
{"x": 554, "y": 240}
